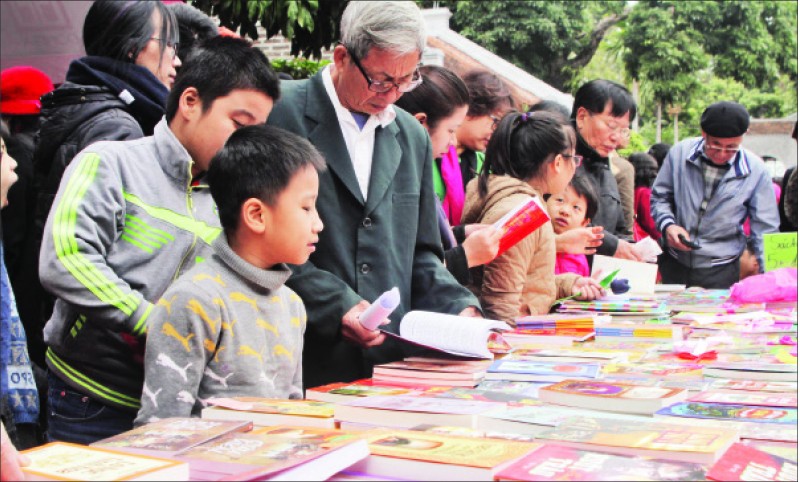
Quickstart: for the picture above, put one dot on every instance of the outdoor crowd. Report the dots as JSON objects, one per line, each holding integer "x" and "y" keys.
{"x": 186, "y": 225}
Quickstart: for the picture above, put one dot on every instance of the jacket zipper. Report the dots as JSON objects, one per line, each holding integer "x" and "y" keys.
{"x": 190, "y": 208}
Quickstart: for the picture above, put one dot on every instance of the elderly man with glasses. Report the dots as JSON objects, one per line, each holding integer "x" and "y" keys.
{"x": 704, "y": 191}
{"x": 376, "y": 199}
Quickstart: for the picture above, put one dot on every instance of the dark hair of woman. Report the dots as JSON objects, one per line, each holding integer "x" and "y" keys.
{"x": 120, "y": 30}
{"x": 438, "y": 96}
{"x": 646, "y": 169}
{"x": 523, "y": 144}
{"x": 487, "y": 93}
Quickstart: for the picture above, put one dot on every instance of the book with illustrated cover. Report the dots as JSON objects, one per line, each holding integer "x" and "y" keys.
{"x": 470, "y": 432}
{"x": 282, "y": 453}
{"x": 742, "y": 462}
{"x": 585, "y": 355}
{"x": 268, "y": 411}
{"x": 407, "y": 411}
{"x": 430, "y": 373}
{"x": 517, "y": 224}
{"x": 452, "y": 334}
{"x": 698, "y": 300}
{"x": 535, "y": 371}
{"x": 763, "y": 423}
{"x": 528, "y": 396}
{"x": 553, "y": 462}
{"x": 66, "y": 461}
{"x": 687, "y": 443}
{"x": 535, "y": 419}
{"x": 430, "y": 456}
{"x": 784, "y": 450}
{"x": 747, "y": 398}
{"x": 557, "y": 321}
{"x": 653, "y": 370}
{"x": 165, "y": 438}
{"x": 614, "y": 397}
{"x": 649, "y": 332}
{"x": 341, "y": 392}
{"x": 754, "y": 386}
{"x": 565, "y": 337}
{"x": 750, "y": 370}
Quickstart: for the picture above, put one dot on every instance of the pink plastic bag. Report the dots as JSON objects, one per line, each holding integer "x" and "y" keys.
{"x": 778, "y": 285}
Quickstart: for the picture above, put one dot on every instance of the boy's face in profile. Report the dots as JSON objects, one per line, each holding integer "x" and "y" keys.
{"x": 208, "y": 131}
{"x": 567, "y": 210}
{"x": 292, "y": 222}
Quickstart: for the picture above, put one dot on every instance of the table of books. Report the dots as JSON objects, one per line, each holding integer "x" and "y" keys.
{"x": 677, "y": 385}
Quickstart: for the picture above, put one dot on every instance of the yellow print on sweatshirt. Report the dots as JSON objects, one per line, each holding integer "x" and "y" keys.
{"x": 212, "y": 348}
{"x": 267, "y": 326}
{"x": 280, "y": 350}
{"x": 167, "y": 304}
{"x": 237, "y": 296}
{"x": 195, "y": 307}
{"x": 170, "y": 331}
{"x": 203, "y": 276}
{"x": 229, "y": 326}
{"x": 246, "y": 350}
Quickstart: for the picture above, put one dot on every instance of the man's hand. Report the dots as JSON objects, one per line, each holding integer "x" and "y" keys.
{"x": 482, "y": 244}
{"x": 353, "y": 332}
{"x": 625, "y": 251}
{"x": 672, "y": 232}
{"x": 587, "y": 289}
{"x": 471, "y": 311}
{"x": 10, "y": 459}
{"x": 580, "y": 241}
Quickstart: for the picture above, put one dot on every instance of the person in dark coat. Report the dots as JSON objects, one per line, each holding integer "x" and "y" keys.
{"x": 376, "y": 197}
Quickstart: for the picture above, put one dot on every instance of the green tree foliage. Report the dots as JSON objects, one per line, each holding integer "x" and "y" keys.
{"x": 312, "y": 25}
{"x": 550, "y": 39}
{"x": 298, "y": 68}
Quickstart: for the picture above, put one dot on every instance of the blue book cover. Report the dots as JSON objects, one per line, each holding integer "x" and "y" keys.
{"x": 732, "y": 412}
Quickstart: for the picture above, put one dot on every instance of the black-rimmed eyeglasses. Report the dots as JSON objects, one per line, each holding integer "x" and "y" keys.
{"x": 382, "y": 86}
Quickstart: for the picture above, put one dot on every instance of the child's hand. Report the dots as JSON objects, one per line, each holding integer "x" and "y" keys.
{"x": 481, "y": 245}
{"x": 587, "y": 289}
{"x": 10, "y": 459}
{"x": 354, "y": 332}
{"x": 580, "y": 240}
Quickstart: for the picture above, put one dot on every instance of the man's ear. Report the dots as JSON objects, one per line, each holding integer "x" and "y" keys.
{"x": 339, "y": 56}
{"x": 422, "y": 118}
{"x": 254, "y": 215}
{"x": 189, "y": 103}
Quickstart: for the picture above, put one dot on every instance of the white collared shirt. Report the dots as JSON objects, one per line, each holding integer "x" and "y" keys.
{"x": 360, "y": 142}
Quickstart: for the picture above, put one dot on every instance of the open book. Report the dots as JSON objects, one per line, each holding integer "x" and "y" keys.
{"x": 521, "y": 221}
{"x": 452, "y": 334}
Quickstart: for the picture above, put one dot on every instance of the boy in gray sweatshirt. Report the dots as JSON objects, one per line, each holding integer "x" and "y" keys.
{"x": 229, "y": 327}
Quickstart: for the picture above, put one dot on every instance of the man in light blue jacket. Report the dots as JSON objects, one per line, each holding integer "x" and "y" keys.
{"x": 704, "y": 191}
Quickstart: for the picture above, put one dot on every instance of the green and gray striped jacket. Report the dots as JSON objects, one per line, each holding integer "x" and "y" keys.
{"x": 126, "y": 222}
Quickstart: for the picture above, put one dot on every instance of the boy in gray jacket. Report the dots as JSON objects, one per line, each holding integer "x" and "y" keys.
{"x": 128, "y": 219}
{"x": 229, "y": 327}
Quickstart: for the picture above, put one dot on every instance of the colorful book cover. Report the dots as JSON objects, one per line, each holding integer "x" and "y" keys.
{"x": 355, "y": 389}
{"x": 603, "y": 390}
{"x": 485, "y": 395}
{"x": 424, "y": 369}
{"x": 742, "y": 462}
{"x": 172, "y": 434}
{"x": 521, "y": 221}
{"x": 653, "y": 370}
{"x": 733, "y": 412}
{"x": 746, "y": 398}
{"x": 664, "y": 440}
{"x": 552, "y": 416}
{"x": 304, "y": 408}
{"x": 66, "y": 461}
{"x": 470, "y": 432}
{"x": 615, "y": 306}
{"x": 316, "y": 435}
{"x": 424, "y": 404}
{"x": 754, "y": 386}
{"x": 553, "y": 462}
{"x": 513, "y": 387}
{"x": 545, "y": 369}
{"x": 432, "y": 447}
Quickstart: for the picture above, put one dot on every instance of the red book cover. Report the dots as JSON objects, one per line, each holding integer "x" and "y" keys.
{"x": 742, "y": 462}
{"x": 521, "y": 221}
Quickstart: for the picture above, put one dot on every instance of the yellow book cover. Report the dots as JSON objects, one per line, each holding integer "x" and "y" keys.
{"x": 432, "y": 447}
{"x": 304, "y": 408}
{"x": 66, "y": 461}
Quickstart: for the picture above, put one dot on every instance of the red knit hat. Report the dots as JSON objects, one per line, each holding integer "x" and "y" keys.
{"x": 20, "y": 90}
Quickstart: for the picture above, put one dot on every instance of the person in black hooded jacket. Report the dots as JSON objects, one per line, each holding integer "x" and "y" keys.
{"x": 118, "y": 91}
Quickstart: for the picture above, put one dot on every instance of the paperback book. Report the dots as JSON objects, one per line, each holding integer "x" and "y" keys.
{"x": 341, "y": 392}
{"x": 763, "y": 423}
{"x": 66, "y": 461}
{"x": 522, "y": 220}
{"x": 429, "y": 456}
{"x": 686, "y": 443}
{"x": 408, "y": 411}
{"x": 614, "y": 397}
{"x": 167, "y": 437}
{"x": 451, "y": 334}
{"x": 742, "y": 462}
{"x": 267, "y": 411}
{"x": 535, "y": 419}
{"x": 554, "y": 462}
{"x": 534, "y": 371}
{"x": 746, "y": 398}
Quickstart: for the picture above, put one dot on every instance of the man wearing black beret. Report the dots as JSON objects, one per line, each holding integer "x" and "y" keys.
{"x": 704, "y": 191}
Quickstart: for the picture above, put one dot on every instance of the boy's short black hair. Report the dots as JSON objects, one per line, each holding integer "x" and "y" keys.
{"x": 220, "y": 65}
{"x": 257, "y": 162}
{"x": 584, "y": 188}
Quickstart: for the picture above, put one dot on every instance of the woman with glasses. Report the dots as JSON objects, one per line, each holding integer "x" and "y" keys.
{"x": 530, "y": 155}
{"x": 116, "y": 92}
{"x": 601, "y": 114}
{"x": 489, "y": 100}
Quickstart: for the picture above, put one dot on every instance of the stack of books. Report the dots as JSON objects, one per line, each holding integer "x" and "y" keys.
{"x": 555, "y": 329}
{"x": 432, "y": 372}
